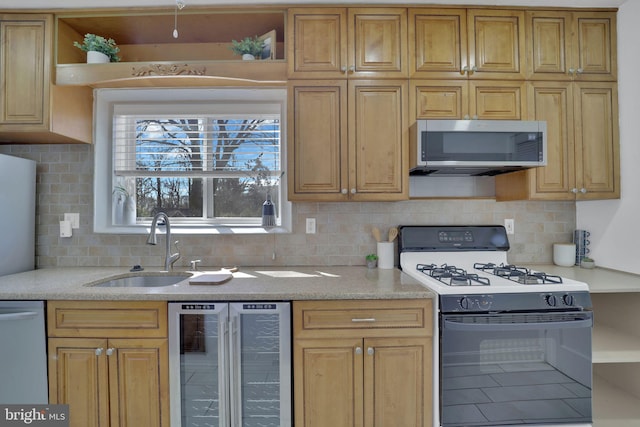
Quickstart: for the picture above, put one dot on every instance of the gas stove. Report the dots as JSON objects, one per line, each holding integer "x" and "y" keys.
{"x": 471, "y": 260}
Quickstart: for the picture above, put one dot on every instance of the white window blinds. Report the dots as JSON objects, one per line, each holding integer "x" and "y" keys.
{"x": 194, "y": 145}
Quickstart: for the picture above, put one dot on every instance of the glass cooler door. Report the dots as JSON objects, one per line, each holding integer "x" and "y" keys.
{"x": 198, "y": 370}
{"x": 260, "y": 336}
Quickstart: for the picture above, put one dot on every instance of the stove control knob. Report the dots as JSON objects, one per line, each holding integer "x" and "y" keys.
{"x": 465, "y": 303}
{"x": 568, "y": 299}
{"x": 551, "y": 300}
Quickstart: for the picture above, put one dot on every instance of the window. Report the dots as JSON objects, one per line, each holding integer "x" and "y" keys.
{"x": 208, "y": 158}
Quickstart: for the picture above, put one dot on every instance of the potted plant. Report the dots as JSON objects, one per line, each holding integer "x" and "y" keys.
{"x": 372, "y": 260}
{"x": 587, "y": 262}
{"x": 99, "y": 49}
{"x": 248, "y": 47}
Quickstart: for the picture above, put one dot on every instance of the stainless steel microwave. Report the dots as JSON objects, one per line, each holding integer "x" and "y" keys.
{"x": 477, "y": 147}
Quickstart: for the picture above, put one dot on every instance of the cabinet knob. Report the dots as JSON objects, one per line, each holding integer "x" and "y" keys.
{"x": 473, "y": 70}
{"x": 574, "y": 190}
{"x": 352, "y": 69}
{"x": 579, "y": 71}
{"x": 370, "y": 351}
{"x": 344, "y": 191}
{"x": 99, "y": 351}
{"x": 583, "y": 190}
{"x": 343, "y": 69}
{"x": 572, "y": 71}
{"x": 110, "y": 351}
{"x": 353, "y": 191}
{"x": 464, "y": 70}
{"x": 466, "y": 117}
{"x": 358, "y": 350}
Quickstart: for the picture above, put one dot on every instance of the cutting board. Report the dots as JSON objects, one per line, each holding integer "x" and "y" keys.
{"x": 214, "y": 278}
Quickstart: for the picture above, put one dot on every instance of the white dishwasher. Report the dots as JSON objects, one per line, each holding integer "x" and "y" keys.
{"x": 23, "y": 354}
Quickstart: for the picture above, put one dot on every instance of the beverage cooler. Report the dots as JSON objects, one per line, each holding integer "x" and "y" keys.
{"x": 230, "y": 364}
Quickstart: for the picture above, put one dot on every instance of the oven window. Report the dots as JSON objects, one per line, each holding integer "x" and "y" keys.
{"x": 515, "y": 369}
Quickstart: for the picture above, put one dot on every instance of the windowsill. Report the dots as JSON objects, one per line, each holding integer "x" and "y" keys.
{"x": 194, "y": 230}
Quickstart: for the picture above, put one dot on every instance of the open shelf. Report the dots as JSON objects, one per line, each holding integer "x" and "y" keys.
{"x": 613, "y": 406}
{"x": 614, "y": 346}
{"x": 151, "y": 56}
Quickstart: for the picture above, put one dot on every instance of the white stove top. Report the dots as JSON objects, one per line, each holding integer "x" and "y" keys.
{"x": 409, "y": 262}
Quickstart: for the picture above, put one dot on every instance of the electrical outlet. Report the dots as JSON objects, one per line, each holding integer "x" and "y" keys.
{"x": 510, "y": 226}
{"x": 74, "y": 219}
{"x": 311, "y": 226}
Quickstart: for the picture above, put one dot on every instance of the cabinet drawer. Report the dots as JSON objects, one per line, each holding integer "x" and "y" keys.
{"x": 381, "y": 318}
{"x": 107, "y": 319}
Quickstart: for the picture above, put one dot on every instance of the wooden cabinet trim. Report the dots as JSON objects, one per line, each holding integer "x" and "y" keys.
{"x": 362, "y": 318}
{"x": 107, "y": 319}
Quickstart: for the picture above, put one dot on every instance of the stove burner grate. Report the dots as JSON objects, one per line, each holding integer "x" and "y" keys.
{"x": 452, "y": 276}
{"x": 518, "y": 274}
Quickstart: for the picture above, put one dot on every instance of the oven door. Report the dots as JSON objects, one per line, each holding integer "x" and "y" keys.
{"x": 515, "y": 368}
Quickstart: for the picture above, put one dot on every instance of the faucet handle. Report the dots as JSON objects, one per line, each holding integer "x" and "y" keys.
{"x": 174, "y": 257}
{"x": 194, "y": 264}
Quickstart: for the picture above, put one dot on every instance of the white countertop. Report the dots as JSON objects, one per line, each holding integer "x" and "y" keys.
{"x": 600, "y": 280}
{"x": 249, "y": 283}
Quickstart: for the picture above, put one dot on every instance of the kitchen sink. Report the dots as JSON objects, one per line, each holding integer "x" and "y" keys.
{"x": 143, "y": 281}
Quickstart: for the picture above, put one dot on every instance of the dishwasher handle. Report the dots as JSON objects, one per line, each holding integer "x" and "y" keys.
{"x": 20, "y": 315}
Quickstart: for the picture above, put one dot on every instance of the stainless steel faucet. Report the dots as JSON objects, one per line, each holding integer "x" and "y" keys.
{"x": 169, "y": 258}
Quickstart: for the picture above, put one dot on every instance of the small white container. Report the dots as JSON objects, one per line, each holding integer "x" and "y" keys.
{"x": 564, "y": 254}
{"x": 385, "y": 255}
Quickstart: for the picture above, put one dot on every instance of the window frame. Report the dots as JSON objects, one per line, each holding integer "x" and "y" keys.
{"x": 106, "y": 101}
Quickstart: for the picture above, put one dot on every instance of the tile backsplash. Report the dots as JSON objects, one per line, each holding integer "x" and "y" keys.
{"x": 65, "y": 184}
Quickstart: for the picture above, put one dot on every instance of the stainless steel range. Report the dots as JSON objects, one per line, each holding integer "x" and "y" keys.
{"x": 514, "y": 343}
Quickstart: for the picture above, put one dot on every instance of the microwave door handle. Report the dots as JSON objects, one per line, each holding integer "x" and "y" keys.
{"x": 474, "y": 327}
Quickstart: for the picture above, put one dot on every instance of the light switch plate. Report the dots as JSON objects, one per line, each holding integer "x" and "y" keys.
{"x": 311, "y": 226}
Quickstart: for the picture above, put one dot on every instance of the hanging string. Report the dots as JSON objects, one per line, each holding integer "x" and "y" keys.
{"x": 179, "y": 6}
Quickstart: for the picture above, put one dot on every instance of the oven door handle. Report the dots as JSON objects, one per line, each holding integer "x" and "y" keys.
{"x": 474, "y": 327}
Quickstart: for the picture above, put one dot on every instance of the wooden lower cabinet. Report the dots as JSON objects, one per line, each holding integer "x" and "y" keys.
{"x": 376, "y": 370}
{"x": 109, "y": 380}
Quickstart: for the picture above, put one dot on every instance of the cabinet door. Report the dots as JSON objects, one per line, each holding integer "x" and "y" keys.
{"x": 24, "y": 70}
{"x": 378, "y": 140}
{"x": 438, "y": 99}
{"x": 597, "y": 141}
{"x": 549, "y": 45}
{"x": 553, "y": 103}
{"x": 328, "y": 382}
{"x": 377, "y": 42}
{"x": 594, "y": 49}
{"x": 317, "y": 142}
{"x": 437, "y": 43}
{"x": 139, "y": 382}
{"x": 78, "y": 376}
{"x": 496, "y": 44}
{"x": 497, "y": 100}
{"x": 398, "y": 382}
{"x": 317, "y": 43}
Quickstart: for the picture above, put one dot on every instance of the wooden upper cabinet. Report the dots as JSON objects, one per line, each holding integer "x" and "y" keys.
{"x": 466, "y": 43}
{"x": 496, "y": 44}
{"x": 32, "y": 109}
{"x": 571, "y": 45}
{"x": 583, "y": 159}
{"x": 317, "y": 130}
{"x": 597, "y": 140}
{"x": 378, "y": 140}
{"x": 460, "y": 99}
{"x": 317, "y": 40}
{"x": 348, "y": 140}
{"x": 345, "y": 43}
{"x": 437, "y": 42}
{"x": 25, "y": 68}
